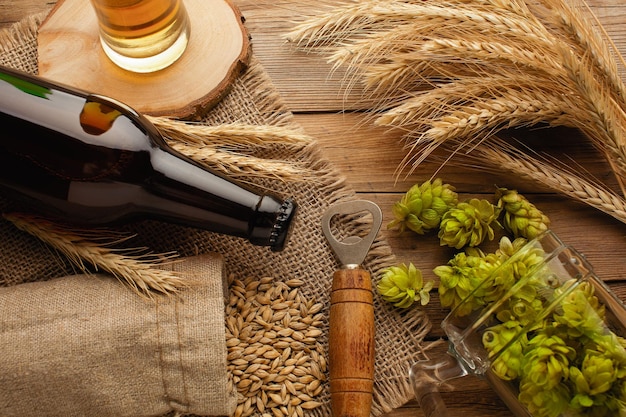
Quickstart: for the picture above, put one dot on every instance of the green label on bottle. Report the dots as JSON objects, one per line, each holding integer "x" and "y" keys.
{"x": 26, "y": 86}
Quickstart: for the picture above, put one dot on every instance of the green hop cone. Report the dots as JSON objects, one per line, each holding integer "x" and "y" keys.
{"x": 521, "y": 217}
{"x": 525, "y": 262}
{"x": 468, "y": 224}
{"x": 521, "y": 309}
{"x": 546, "y": 361}
{"x": 460, "y": 279}
{"x": 507, "y": 248}
{"x": 582, "y": 312}
{"x": 545, "y": 370}
{"x": 403, "y": 285}
{"x": 421, "y": 208}
{"x": 508, "y": 363}
{"x": 507, "y": 274}
{"x": 597, "y": 388}
{"x": 595, "y": 376}
{"x": 544, "y": 402}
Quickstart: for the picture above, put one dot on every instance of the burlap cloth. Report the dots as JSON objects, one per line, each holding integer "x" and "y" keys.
{"x": 253, "y": 100}
{"x": 132, "y": 356}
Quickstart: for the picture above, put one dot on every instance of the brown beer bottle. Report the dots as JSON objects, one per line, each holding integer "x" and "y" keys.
{"x": 90, "y": 160}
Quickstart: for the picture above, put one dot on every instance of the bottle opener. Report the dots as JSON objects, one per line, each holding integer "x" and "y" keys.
{"x": 351, "y": 320}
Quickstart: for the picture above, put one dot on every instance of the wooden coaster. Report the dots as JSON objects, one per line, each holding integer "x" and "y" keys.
{"x": 69, "y": 52}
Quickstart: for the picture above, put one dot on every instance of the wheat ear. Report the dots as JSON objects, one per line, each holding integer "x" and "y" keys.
{"x": 228, "y": 148}
{"x": 570, "y": 19}
{"x": 559, "y": 44}
{"x": 140, "y": 272}
{"x": 438, "y": 116}
{"x": 551, "y": 174}
{"x": 244, "y": 166}
{"x": 232, "y": 135}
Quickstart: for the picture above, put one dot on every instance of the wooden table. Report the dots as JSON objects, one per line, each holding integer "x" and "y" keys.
{"x": 368, "y": 157}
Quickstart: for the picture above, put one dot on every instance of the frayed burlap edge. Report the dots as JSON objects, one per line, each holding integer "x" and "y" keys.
{"x": 18, "y": 43}
{"x": 255, "y": 100}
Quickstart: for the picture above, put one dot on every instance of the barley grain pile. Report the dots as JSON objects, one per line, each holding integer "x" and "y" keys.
{"x": 276, "y": 363}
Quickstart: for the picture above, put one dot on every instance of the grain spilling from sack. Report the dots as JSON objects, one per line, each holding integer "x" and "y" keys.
{"x": 276, "y": 363}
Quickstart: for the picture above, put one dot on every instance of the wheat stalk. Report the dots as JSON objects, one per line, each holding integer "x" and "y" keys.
{"x": 427, "y": 21}
{"x": 473, "y": 111}
{"x": 232, "y": 135}
{"x": 471, "y": 96}
{"x": 140, "y": 272}
{"x": 214, "y": 146}
{"x": 570, "y": 20}
{"x": 244, "y": 167}
{"x": 461, "y": 71}
{"x": 608, "y": 129}
{"x": 551, "y": 174}
{"x": 223, "y": 148}
{"x": 331, "y": 28}
{"x": 427, "y": 59}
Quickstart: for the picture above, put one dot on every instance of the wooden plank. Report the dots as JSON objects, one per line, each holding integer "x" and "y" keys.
{"x": 11, "y": 12}
{"x": 368, "y": 157}
{"x": 467, "y": 396}
{"x": 69, "y": 52}
{"x": 308, "y": 83}
{"x": 372, "y": 156}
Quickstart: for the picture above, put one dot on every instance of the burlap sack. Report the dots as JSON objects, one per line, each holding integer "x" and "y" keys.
{"x": 84, "y": 345}
{"x": 253, "y": 100}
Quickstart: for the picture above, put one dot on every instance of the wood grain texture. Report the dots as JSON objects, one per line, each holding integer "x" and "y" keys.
{"x": 351, "y": 343}
{"x": 368, "y": 158}
{"x": 218, "y": 50}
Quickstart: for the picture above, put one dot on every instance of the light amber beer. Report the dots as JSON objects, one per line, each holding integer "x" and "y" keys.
{"x": 142, "y": 35}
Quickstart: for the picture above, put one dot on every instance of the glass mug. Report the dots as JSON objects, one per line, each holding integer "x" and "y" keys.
{"x": 142, "y": 35}
{"x": 553, "y": 344}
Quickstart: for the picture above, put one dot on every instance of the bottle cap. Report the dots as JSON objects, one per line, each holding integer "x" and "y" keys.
{"x": 272, "y": 223}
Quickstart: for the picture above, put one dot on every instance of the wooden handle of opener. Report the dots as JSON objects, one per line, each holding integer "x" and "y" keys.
{"x": 351, "y": 343}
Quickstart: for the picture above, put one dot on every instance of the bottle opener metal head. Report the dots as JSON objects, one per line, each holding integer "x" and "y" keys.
{"x": 352, "y": 250}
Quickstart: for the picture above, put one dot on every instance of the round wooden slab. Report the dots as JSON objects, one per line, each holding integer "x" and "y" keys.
{"x": 69, "y": 52}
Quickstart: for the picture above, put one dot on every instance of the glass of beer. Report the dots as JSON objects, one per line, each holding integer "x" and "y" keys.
{"x": 142, "y": 35}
